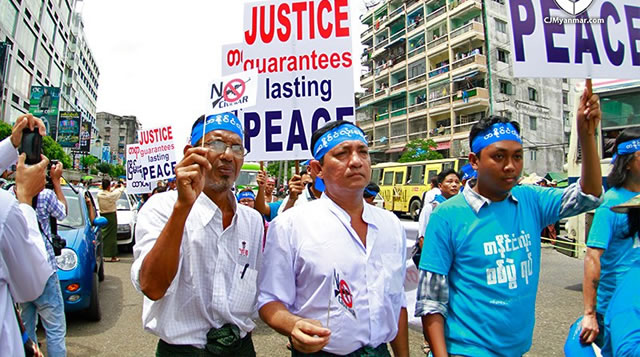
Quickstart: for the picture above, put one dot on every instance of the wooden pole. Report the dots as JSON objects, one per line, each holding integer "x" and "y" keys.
{"x": 261, "y": 165}
{"x": 297, "y": 167}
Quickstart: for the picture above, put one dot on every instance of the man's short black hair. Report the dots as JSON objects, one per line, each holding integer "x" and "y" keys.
{"x": 619, "y": 172}
{"x": 106, "y": 183}
{"x": 486, "y": 123}
{"x": 329, "y": 126}
{"x": 303, "y": 172}
{"x": 373, "y": 187}
{"x": 444, "y": 173}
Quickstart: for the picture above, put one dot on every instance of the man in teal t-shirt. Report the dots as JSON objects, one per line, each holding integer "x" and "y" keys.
{"x": 622, "y": 321}
{"x": 481, "y": 261}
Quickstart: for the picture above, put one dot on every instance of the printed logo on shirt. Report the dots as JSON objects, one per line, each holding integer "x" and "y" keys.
{"x": 243, "y": 249}
{"x": 505, "y": 271}
{"x": 342, "y": 293}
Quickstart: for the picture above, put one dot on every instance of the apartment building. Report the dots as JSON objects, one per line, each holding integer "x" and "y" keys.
{"x": 117, "y": 132}
{"x": 433, "y": 68}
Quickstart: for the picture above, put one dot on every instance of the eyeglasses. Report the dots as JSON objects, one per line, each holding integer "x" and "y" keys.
{"x": 220, "y": 147}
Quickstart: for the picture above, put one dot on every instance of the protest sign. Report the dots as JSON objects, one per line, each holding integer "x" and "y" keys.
{"x": 154, "y": 156}
{"x": 575, "y": 39}
{"x": 233, "y": 92}
{"x": 135, "y": 182}
{"x": 305, "y": 73}
{"x": 69, "y": 129}
{"x": 43, "y": 104}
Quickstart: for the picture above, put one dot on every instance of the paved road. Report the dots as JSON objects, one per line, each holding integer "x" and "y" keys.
{"x": 120, "y": 332}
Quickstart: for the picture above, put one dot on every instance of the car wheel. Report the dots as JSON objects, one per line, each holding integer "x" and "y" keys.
{"x": 93, "y": 312}
{"x": 414, "y": 210}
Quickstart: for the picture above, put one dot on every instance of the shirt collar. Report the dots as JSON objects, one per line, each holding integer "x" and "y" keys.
{"x": 476, "y": 200}
{"x": 344, "y": 216}
{"x": 207, "y": 209}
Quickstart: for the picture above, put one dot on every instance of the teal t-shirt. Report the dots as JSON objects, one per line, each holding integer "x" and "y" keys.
{"x": 609, "y": 231}
{"x": 274, "y": 206}
{"x": 492, "y": 260}
{"x": 622, "y": 320}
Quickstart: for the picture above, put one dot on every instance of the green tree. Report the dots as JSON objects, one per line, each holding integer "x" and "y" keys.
{"x": 272, "y": 168}
{"x": 117, "y": 171}
{"x": 88, "y": 161}
{"x": 53, "y": 151}
{"x": 420, "y": 150}
{"x": 5, "y": 130}
{"x": 104, "y": 168}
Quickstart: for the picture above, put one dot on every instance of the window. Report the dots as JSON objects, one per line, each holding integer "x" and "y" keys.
{"x": 122, "y": 138}
{"x": 21, "y": 80}
{"x": 533, "y": 94}
{"x": 14, "y": 113}
{"x": 566, "y": 116}
{"x": 399, "y": 177}
{"x": 533, "y": 155}
{"x": 388, "y": 178}
{"x": 56, "y": 75}
{"x": 416, "y": 69}
{"x": 43, "y": 58}
{"x": 564, "y": 80}
{"x": 503, "y": 56}
{"x": 533, "y": 123}
{"x": 8, "y": 16}
{"x": 35, "y": 6}
{"x": 60, "y": 44}
{"x": 565, "y": 97}
{"x": 27, "y": 40}
{"x": 506, "y": 87}
{"x": 499, "y": 1}
{"x": 501, "y": 26}
{"x": 48, "y": 26}
{"x": 417, "y": 175}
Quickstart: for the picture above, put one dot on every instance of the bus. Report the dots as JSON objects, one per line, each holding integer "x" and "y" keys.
{"x": 402, "y": 184}
{"x": 620, "y": 104}
{"x": 248, "y": 176}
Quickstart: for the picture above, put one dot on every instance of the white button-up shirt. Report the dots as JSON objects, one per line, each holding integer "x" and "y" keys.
{"x": 216, "y": 279}
{"x": 316, "y": 265}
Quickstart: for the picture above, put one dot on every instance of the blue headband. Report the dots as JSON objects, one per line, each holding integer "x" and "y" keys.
{"x": 370, "y": 193}
{"x": 246, "y": 194}
{"x": 628, "y": 147}
{"x": 468, "y": 172}
{"x": 336, "y": 136}
{"x": 496, "y": 132}
{"x": 223, "y": 121}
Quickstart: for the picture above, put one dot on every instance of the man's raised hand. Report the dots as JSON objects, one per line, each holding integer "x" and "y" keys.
{"x": 190, "y": 175}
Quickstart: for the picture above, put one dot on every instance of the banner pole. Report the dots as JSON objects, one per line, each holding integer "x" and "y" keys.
{"x": 297, "y": 167}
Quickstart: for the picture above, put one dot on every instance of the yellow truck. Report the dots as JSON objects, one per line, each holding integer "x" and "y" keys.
{"x": 402, "y": 184}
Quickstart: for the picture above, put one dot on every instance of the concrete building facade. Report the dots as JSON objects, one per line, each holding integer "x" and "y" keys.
{"x": 117, "y": 132}
{"x": 39, "y": 33}
{"x": 433, "y": 68}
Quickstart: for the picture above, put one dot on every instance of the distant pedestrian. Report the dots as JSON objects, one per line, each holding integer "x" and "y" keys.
{"x": 370, "y": 193}
{"x": 478, "y": 282}
{"x": 198, "y": 251}
{"x": 107, "y": 198}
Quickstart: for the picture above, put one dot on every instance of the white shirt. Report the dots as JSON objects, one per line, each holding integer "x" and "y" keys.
{"x": 430, "y": 195}
{"x": 216, "y": 279}
{"x": 8, "y": 154}
{"x": 304, "y": 197}
{"x": 312, "y": 250}
{"x": 24, "y": 270}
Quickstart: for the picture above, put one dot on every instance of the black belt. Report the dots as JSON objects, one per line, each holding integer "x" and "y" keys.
{"x": 366, "y": 351}
{"x": 222, "y": 342}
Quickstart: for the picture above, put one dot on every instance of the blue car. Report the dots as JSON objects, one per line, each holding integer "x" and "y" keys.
{"x": 80, "y": 266}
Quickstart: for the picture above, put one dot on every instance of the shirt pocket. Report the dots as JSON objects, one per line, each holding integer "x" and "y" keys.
{"x": 393, "y": 266}
{"x": 243, "y": 290}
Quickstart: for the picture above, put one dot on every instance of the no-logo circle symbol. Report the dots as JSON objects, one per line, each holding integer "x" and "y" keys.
{"x": 345, "y": 294}
{"x": 234, "y": 90}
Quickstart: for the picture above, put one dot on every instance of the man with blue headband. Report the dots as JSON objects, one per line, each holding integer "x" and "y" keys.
{"x": 334, "y": 279}
{"x": 198, "y": 251}
{"x": 478, "y": 282}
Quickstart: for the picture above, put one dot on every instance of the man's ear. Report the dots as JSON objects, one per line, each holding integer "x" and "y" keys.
{"x": 186, "y": 147}
{"x": 316, "y": 167}
{"x": 473, "y": 160}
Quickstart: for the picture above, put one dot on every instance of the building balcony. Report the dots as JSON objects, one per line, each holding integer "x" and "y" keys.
{"x": 417, "y": 81}
{"x": 381, "y": 44}
{"x": 417, "y": 51}
{"x": 470, "y": 31}
{"x": 418, "y": 109}
{"x": 400, "y": 113}
{"x": 437, "y": 16}
{"x": 382, "y": 72}
{"x": 439, "y": 73}
{"x": 365, "y": 124}
{"x": 477, "y": 62}
{"x": 396, "y": 13}
{"x": 398, "y": 87}
{"x": 474, "y": 97}
{"x": 412, "y": 5}
{"x": 440, "y": 101}
{"x": 397, "y": 35}
{"x": 367, "y": 33}
{"x": 438, "y": 45}
{"x": 463, "y": 128}
{"x": 414, "y": 28}
{"x": 459, "y": 7}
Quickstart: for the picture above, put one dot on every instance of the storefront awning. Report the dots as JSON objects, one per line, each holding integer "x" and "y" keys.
{"x": 392, "y": 150}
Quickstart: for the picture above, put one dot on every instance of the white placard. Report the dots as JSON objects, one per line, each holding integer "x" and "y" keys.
{"x": 233, "y": 92}
{"x": 152, "y": 159}
{"x": 305, "y": 73}
{"x": 575, "y": 39}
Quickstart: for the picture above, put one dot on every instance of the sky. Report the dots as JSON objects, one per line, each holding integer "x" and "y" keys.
{"x": 158, "y": 58}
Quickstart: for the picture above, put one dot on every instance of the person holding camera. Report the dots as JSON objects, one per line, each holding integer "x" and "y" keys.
{"x": 107, "y": 198}
{"x": 51, "y": 205}
{"x": 24, "y": 270}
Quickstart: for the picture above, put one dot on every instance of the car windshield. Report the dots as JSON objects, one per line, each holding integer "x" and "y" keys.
{"x": 74, "y": 217}
{"x": 123, "y": 203}
{"x": 247, "y": 178}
